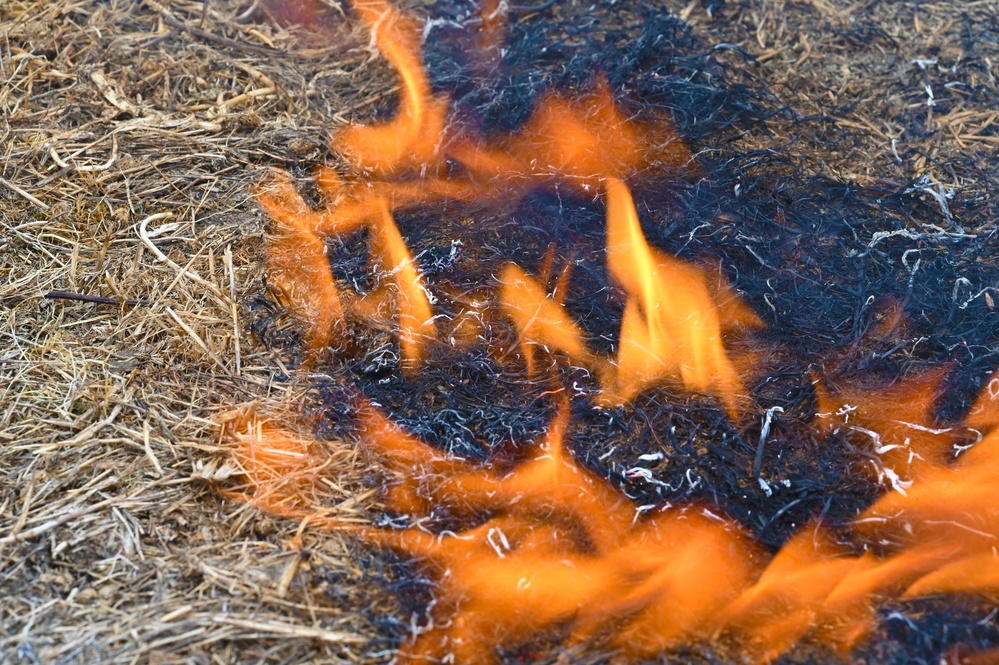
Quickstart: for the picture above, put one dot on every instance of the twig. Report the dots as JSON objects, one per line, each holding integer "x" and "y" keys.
{"x": 100, "y": 300}
{"x": 87, "y": 168}
{"x": 524, "y": 9}
{"x": 27, "y": 196}
{"x": 227, "y": 258}
{"x": 764, "y": 433}
{"x": 291, "y": 630}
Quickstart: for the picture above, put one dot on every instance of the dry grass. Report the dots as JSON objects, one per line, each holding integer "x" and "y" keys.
{"x": 130, "y": 147}
{"x": 131, "y": 136}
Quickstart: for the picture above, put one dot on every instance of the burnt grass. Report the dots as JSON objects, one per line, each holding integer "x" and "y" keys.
{"x": 817, "y": 231}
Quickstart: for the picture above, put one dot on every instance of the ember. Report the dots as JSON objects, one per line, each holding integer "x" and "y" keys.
{"x": 542, "y": 545}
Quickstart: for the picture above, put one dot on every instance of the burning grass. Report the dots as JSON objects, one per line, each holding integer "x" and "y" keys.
{"x": 547, "y": 546}
{"x": 115, "y": 548}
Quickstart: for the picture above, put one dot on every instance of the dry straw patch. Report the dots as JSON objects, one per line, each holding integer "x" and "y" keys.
{"x": 131, "y": 134}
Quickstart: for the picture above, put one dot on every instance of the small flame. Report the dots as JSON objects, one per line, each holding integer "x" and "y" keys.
{"x": 947, "y": 505}
{"x": 576, "y": 141}
{"x": 539, "y": 319}
{"x": 896, "y": 423}
{"x": 282, "y": 469}
{"x": 785, "y": 603}
{"x": 671, "y": 327}
{"x": 984, "y": 413}
{"x": 490, "y": 38}
{"x": 298, "y": 267}
{"x": 416, "y": 320}
{"x": 295, "y": 12}
{"x": 413, "y": 138}
{"x": 584, "y": 139}
{"x": 976, "y": 574}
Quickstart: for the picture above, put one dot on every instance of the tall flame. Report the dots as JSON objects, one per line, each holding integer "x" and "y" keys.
{"x": 416, "y": 320}
{"x": 671, "y": 328}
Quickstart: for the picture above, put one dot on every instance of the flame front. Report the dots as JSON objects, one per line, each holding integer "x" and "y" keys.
{"x": 560, "y": 547}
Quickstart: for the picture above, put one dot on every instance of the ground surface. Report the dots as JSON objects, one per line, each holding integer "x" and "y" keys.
{"x": 114, "y": 547}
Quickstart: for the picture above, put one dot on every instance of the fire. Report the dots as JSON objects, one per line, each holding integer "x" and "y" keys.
{"x": 298, "y": 267}
{"x": 539, "y": 319}
{"x": 548, "y": 548}
{"x": 551, "y": 545}
{"x": 559, "y": 545}
{"x": 671, "y": 327}
{"x": 671, "y": 330}
{"x": 283, "y": 469}
{"x": 416, "y": 321}
{"x": 413, "y": 138}
{"x": 579, "y": 142}
{"x": 949, "y": 506}
{"x": 903, "y": 441}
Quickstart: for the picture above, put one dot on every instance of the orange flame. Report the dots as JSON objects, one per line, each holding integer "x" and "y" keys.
{"x": 984, "y": 413}
{"x": 947, "y": 505}
{"x": 539, "y": 320}
{"x": 671, "y": 328}
{"x": 964, "y": 655}
{"x": 282, "y": 470}
{"x": 413, "y": 139}
{"x": 578, "y": 141}
{"x": 297, "y": 265}
{"x": 897, "y": 423}
{"x": 559, "y": 545}
{"x": 295, "y": 12}
{"x": 976, "y": 574}
{"x": 490, "y": 34}
{"x": 588, "y": 139}
{"x": 416, "y": 320}
{"x": 552, "y": 545}
{"x": 583, "y": 139}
